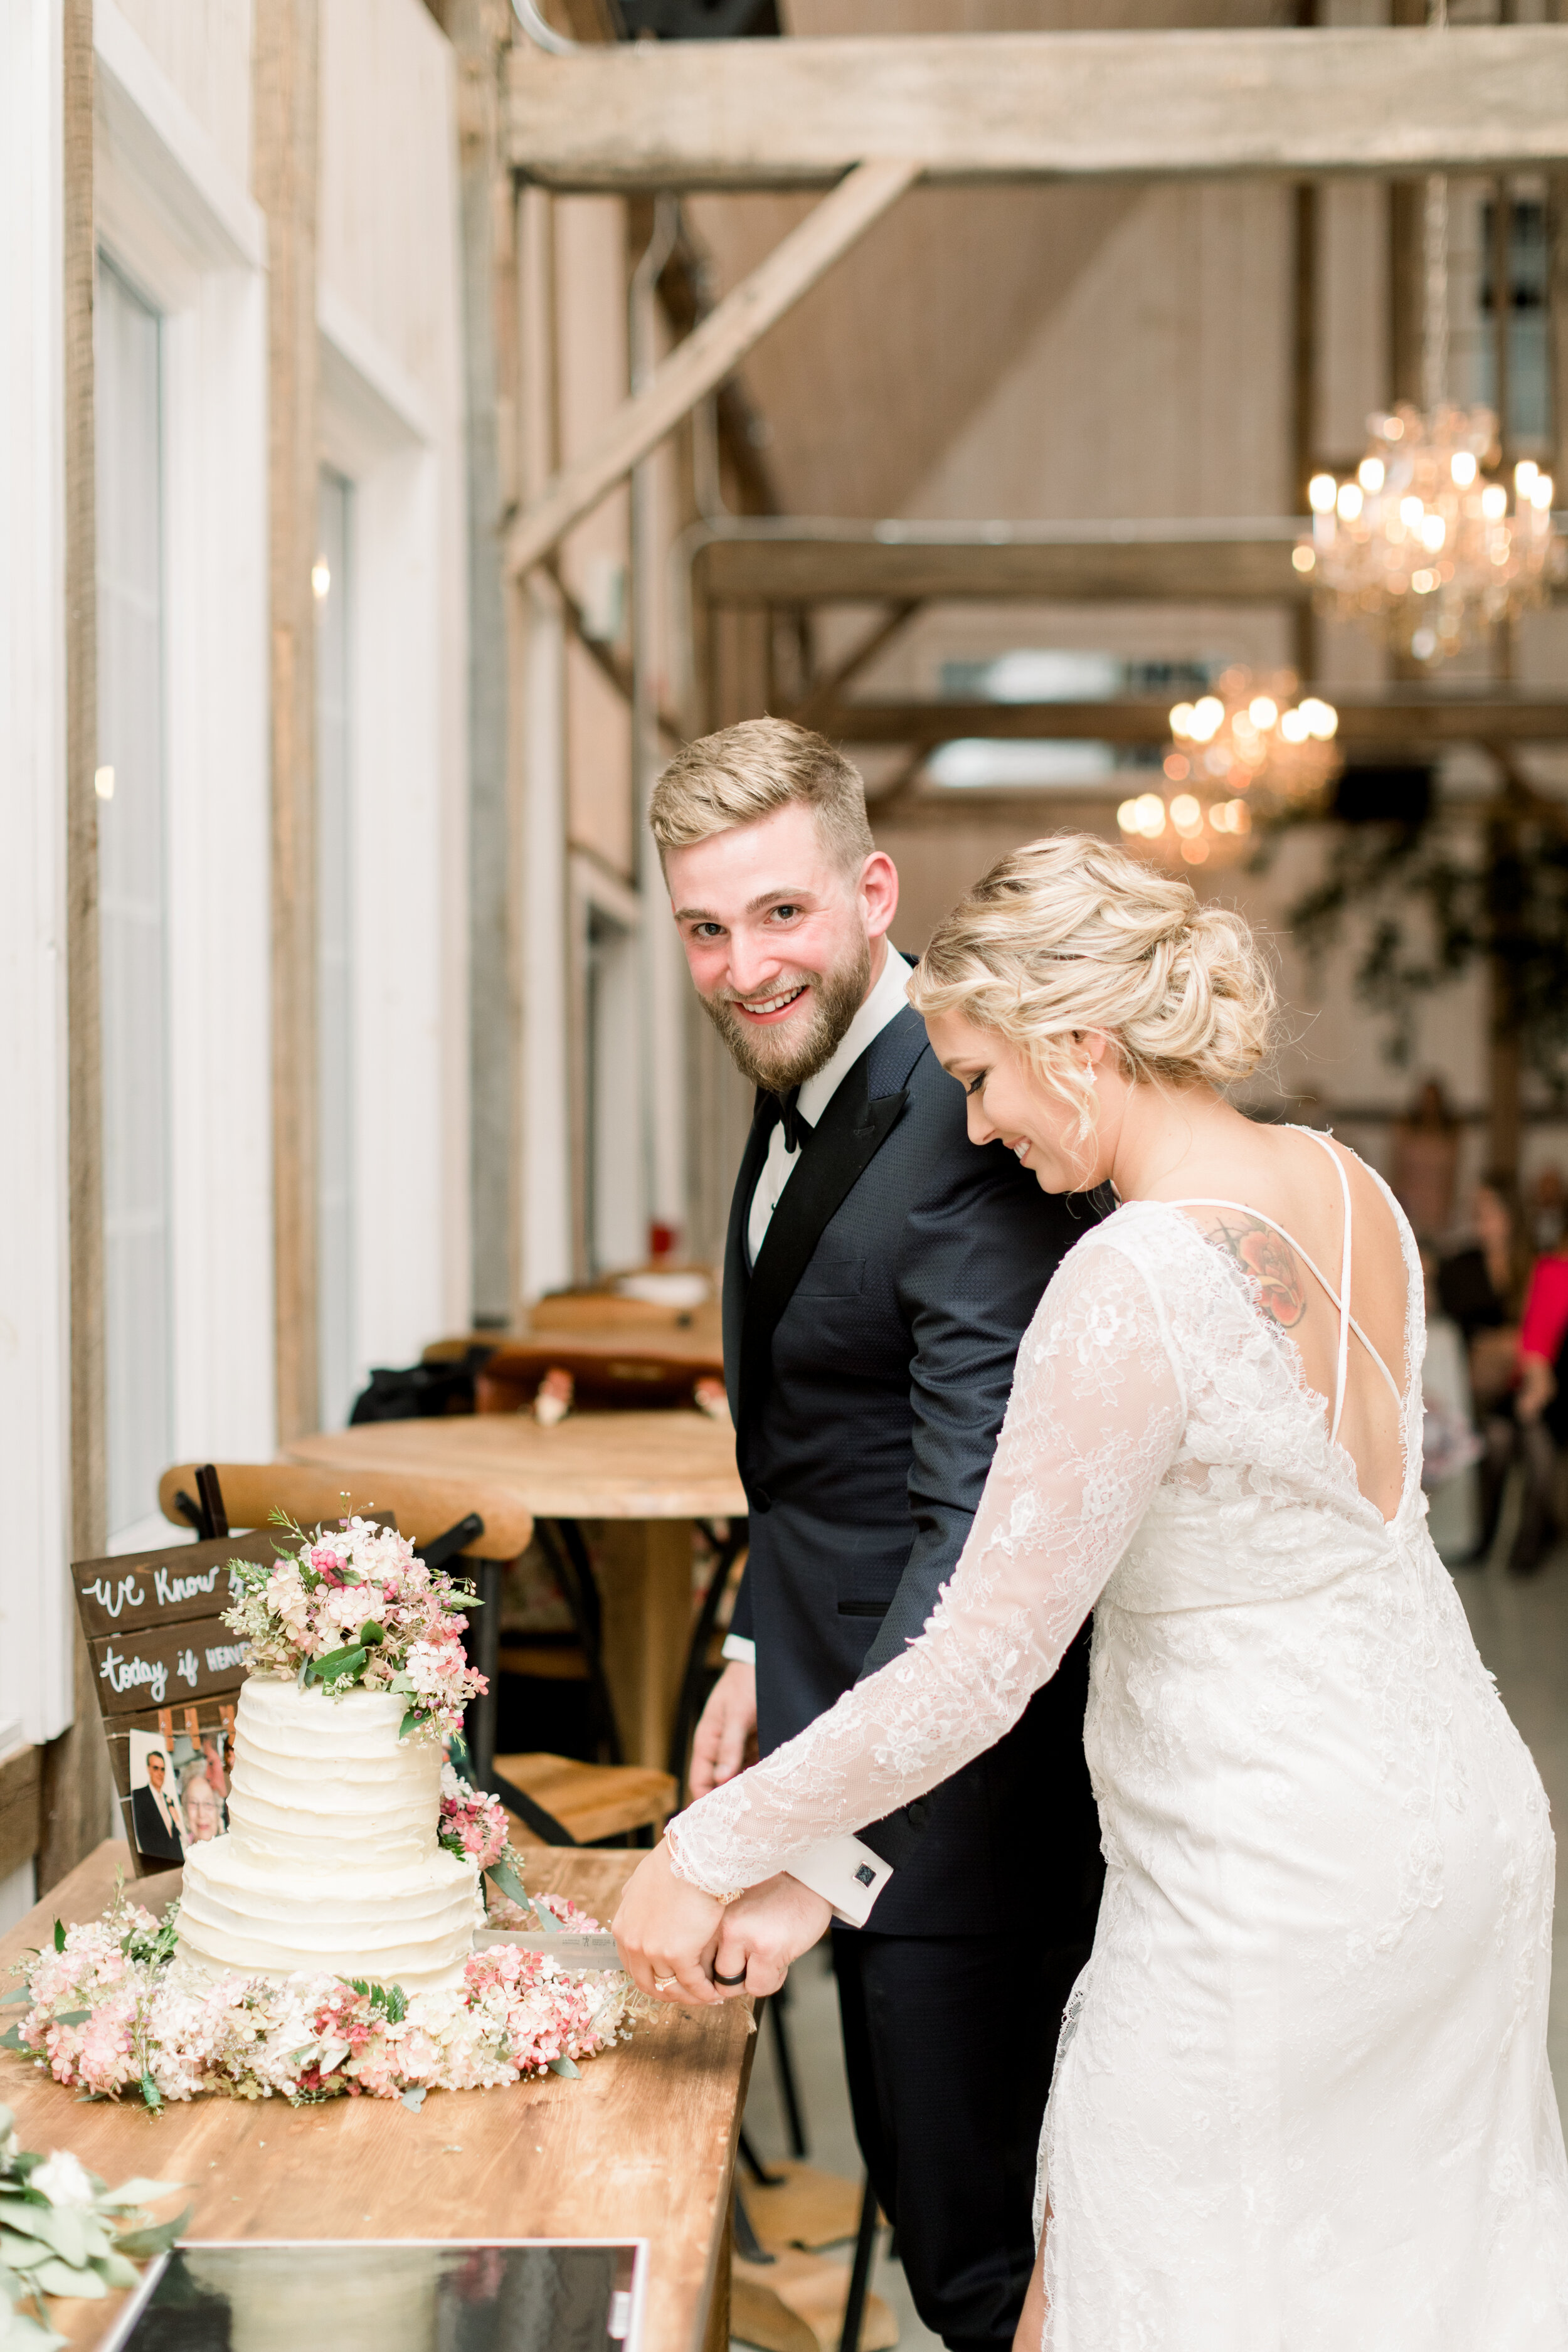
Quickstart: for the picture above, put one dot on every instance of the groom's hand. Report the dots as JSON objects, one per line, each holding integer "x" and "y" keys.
{"x": 766, "y": 1928}
{"x": 726, "y": 1737}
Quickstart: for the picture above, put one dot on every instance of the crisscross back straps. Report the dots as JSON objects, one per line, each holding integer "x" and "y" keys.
{"x": 1340, "y": 1297}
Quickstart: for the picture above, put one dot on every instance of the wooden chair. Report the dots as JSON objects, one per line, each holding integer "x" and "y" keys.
{"x": 561, "y": 1803}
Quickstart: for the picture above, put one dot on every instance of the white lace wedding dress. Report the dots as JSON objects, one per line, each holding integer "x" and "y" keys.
{"x": 1301, "y": 2100}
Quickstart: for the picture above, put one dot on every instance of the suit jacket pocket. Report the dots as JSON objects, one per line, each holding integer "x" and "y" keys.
{"x": 868, "y": 1581}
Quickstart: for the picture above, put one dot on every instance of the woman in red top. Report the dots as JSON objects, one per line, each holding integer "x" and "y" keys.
{"x": 1540, "y": 1406}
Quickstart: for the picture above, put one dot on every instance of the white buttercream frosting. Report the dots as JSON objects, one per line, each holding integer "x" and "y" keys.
{"x": 331, "y": 1860}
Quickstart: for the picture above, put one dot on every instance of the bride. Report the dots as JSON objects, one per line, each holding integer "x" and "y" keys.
{"x": 1301, "y": 2097}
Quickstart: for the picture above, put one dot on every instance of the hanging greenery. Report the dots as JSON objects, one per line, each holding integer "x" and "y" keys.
{"x": 1439, "y": 895}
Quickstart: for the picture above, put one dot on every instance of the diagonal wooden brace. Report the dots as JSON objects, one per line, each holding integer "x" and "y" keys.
{"x": 711, "y": 353}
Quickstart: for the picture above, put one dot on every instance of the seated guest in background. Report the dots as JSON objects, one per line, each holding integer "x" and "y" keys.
{"x": 1481, "y": 1288}
{"x": 1548, "y": 1218}
{"x": 1426, "y": 1161}
{"x": 1541, "y": 1408}
{"x": 199, "y": 1802}
{"x": 156, "y": 1813}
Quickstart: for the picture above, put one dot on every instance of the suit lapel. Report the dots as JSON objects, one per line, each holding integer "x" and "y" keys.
{"x": 852, "y": 1130}
{"x": 737, "y": 1274}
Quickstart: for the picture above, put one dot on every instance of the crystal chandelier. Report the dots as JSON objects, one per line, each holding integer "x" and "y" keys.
{"x": 1249, "y": 747}
{"x": 1420, "y": 543}
{"x": 1417, "y": 542}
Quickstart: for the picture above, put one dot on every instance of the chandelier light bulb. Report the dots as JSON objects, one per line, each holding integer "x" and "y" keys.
{"x": 1419, "y": 545}
{"x": 1248, "y": 735}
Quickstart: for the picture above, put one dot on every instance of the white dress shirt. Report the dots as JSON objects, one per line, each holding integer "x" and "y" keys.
{"x": 845, "y": 1873}
{"x": 885, "y": 1002}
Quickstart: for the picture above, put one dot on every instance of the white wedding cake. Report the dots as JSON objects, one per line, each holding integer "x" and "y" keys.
{"x": 331, "y": 1861}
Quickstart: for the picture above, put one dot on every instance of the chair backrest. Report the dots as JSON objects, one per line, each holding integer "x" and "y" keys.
{"x": 167, "y": 1671}
{"x": 314, "y": 1496}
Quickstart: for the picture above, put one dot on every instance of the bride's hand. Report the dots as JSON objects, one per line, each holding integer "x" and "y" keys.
{"x": 763, "y": 1931}
{"x": 667, "y": 1930}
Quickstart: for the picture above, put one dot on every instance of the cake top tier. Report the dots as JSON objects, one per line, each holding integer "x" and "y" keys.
{"x": 327, "y": 1783}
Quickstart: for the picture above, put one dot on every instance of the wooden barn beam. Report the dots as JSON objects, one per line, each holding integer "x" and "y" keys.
{"x": 1390, "y": 723}
{"x": 1043, "y": 106}
{"x": 711, "y": 353}
{"x": 1225, "y": 563}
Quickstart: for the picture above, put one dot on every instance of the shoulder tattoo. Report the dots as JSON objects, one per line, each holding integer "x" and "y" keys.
{"x": 1272, "y": 1263}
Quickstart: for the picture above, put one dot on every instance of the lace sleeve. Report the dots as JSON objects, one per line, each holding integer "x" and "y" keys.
{"x": 1096, "y": 1414}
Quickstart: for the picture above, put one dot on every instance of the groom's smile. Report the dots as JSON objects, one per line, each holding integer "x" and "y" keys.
{"x": 783, "y": 939}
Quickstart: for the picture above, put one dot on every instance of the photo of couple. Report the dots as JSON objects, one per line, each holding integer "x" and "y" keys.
{"x": 179, "y": 1790}
{"x": 1094, "y": 1680}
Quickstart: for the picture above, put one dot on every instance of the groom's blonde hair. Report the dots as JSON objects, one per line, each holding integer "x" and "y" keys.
{"x": 1071, "y": 934}
{"x": 746, "y": 772}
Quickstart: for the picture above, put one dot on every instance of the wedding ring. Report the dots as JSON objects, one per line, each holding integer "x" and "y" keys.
{"x": 662, "y": 1984}
{"x": 729, "y": 1980}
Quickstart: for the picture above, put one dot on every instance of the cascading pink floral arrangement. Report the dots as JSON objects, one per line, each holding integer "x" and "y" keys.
{"x": 107, "y": 2013}
{"x": 351, "y": 1608}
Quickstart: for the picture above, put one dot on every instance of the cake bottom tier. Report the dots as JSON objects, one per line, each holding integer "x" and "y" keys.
{"x": 413, "y": 1927}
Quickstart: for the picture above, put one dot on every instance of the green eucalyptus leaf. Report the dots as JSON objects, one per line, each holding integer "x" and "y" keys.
{"x": 60, "y": 1935}
{"x": 151, "y": 2093}
{"x": 349, "y": 1659}
{"x": 506, "y": 1877}
{"x": 411, "y": 1722}
{"x": 564, "y": 2066}
{"x": 21, "y": 2253}
{"x": 68, "y": 2235}
{"x": 72, "y": 2016}
{"x": 156, "y": 2240}
{"x": 138, "y": 2192}
{"x": 369, "y": 1632}
{"x": 10, "y": 2284}
{"x": 115, "y": 2271}
{"x": 64, "y": 2278}
{"x": 12, "y": 2001}
{"x": 18, "y": 2332}
{"x": 12, "y": 2040}
{"x": 28, "y": 2214}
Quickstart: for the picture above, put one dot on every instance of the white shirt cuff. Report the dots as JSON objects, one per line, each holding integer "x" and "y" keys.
{"x": 844, "y": 1873}
{"x": 740, "y": 1649}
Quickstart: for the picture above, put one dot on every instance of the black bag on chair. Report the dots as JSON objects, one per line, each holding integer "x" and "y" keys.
{"x": 422, "y": 1392}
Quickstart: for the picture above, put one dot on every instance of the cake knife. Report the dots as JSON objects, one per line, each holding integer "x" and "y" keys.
{"x": 573, "y": 1951}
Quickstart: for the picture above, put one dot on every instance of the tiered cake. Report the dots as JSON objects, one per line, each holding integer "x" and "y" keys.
{"x": 331, "y": 1860}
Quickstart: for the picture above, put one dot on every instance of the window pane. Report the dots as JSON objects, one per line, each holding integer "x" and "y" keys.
{"x": 132, "y": 910}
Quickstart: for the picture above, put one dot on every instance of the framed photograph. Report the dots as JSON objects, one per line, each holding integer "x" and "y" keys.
{"x": 157, "y": 1822}
{"x": 516, "y": 2295}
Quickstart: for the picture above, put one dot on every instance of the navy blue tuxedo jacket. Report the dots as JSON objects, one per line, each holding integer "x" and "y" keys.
{"x": 868, "y": 1355}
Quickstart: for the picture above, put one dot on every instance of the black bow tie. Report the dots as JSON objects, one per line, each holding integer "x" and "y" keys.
{"x": 795, "y": 1127}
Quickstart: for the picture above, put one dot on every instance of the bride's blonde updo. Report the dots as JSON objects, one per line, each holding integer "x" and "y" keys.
{"x": 1070, "y": 933}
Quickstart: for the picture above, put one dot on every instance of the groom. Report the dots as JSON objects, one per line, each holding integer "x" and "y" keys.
{"x": 878, "y": 1275}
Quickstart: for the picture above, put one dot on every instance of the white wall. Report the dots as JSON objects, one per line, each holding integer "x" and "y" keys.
{"x": 34, "y": 1630}
{"x": 178, "y": 220}
{"x": 391, "y": 423}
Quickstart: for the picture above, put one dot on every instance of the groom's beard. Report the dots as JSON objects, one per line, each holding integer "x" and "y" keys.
{"x": 786, "y": 1056}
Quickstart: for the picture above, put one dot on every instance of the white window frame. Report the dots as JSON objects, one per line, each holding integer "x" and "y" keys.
{"x": 407, "y": 759}
{"x": 174, "y": 219}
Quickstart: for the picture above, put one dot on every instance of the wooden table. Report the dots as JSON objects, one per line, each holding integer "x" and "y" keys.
{"x": 642, "y": 1476}
{"x": 641, "y": 2146}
